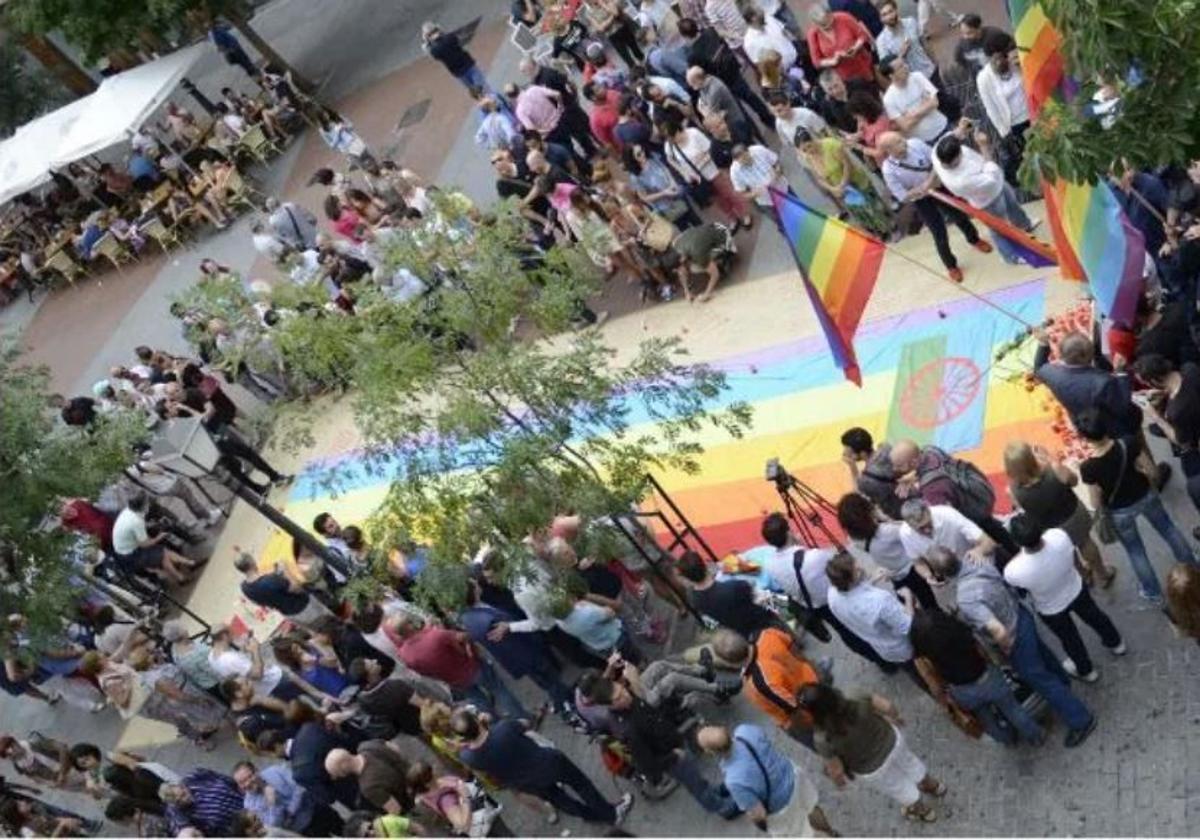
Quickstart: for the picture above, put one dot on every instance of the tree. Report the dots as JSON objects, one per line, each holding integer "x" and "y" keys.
{"x": 484, "y": 429}
{"x": 1150, "y": 52}
{"x": 41, "y": 463}
{"x": 29, "y": 92}
{"x": 100, "y": 27}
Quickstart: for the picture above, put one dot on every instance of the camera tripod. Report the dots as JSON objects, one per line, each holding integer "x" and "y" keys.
{"x": 806, "y": 509}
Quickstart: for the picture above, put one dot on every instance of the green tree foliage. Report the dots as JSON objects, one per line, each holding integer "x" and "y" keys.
{"x": 1150, "y": 51}
{"x": 486, "y": 411}
{"x": 27, "y": 90}
{"x": 42, "y": 462}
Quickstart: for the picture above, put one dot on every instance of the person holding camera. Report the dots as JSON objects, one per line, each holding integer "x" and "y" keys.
{"x": 136, "y": 551}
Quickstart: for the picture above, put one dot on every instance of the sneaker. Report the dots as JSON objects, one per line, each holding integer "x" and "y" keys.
{"x": 601, "y": 317}
{"x": 214, "y": 516}
{"x": 1077, "y": 736}
{"x": 1090, "y": 677}
{"x": 1119, "y": 650}
{"x": 956, "y": 274}
{"x": 284, "y": 479}
{"x": 625, "y": 806}
{"x": 982, "y": 246}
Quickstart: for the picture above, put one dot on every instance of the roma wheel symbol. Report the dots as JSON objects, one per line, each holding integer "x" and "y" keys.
{"x": 940, "y": 391}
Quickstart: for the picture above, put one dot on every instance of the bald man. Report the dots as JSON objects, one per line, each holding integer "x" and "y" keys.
{"x": 382, "y": 772}
{"x": 908, "y": 172}
{"x": 764, "y": 784}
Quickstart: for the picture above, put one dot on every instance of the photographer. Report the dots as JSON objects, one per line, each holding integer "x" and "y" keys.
{"x": 136, "y": 551}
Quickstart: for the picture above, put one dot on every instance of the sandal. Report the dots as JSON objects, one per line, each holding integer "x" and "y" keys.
{"x": 925, "y": 814}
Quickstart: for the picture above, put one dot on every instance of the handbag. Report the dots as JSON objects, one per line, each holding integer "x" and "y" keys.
{"x": 965, "y": 720}
{"x": 805, "y": 613}
{"x": 1106, "y": 531}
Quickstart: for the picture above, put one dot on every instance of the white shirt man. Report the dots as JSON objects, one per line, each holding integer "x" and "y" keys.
{"x": 876, "y": 617}
{"x": 757, "y": 171}
{"x": 1048, "y": 574}
{"x": 909, "y": 93}
{"x": 799, "y": 117}
{"x": 904, "y": 175}
{"x": 692, "y": 157}
{"x": 903, "y": 40}
{"x": 951, "y": 530}
{"x": 496, "y": 131}
{"x": 129, "y": 532}
{"x": 973, "y": 178}
{"x": 770, "y": 36}
{"x": 781, "y": 568}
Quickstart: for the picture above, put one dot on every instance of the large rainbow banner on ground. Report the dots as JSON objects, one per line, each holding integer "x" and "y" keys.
{"x": 928, "y": 374}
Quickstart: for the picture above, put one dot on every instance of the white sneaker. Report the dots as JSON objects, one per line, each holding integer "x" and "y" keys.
{"x": 214, "y": 516}
{"x": 623, "y": 808}
{"x": 1119, "y": 650}
{"x": 1090, "y": 677}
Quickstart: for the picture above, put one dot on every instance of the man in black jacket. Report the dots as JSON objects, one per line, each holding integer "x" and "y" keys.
{"x": 446, "y": 48}
{"x": 705, "y": 48}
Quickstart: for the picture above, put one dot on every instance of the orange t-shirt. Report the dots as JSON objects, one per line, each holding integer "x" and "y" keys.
{"x": 775, "y": 675}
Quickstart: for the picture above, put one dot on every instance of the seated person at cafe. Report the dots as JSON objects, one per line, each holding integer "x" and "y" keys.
{"x": 114, "y": 187}
{"x": 143, "y": 171}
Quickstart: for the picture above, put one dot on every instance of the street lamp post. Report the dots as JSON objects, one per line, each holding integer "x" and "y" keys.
{"x": 184, "y": 447}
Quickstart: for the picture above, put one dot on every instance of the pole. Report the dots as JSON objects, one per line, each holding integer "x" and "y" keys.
{"x": 940, "y": 276}
{"x": 276, "y": 517}
{"x": 201, "y": 100}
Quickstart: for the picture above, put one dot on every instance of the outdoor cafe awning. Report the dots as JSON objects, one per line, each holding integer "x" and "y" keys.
{"x": 103, "y": 119}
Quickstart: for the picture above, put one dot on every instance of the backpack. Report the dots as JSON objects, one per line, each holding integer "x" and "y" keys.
{"x": 976, "y": 498}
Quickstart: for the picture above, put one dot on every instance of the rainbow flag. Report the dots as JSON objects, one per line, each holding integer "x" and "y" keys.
{"x": 1040, "y": 44}
{"x": 840, "y": 265}
{"x": 1110, "y": 249}
{"x": 928, "y": 373}
{"x": 1029, "y": 249}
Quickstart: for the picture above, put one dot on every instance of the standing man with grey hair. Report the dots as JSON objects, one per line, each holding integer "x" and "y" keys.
{"x": 998, "y": 619}
{"x": 927, "y": 526}
{"x": 1082, "y": 379}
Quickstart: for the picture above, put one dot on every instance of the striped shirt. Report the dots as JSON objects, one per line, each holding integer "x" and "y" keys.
{"x": 215, "y": 799}
{"x": 756, "y": 176}
{"x": 726, "y": 18}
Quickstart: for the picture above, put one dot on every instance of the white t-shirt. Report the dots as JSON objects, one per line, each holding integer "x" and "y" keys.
{"x": 1049, "y": 574}
{"x": 756, "y": 176}
{"x": 976, "y": 180}
{"x": 782, "y": 571}
{"x": 770, "y": 37}
{"x": 888, "y": 42}
{"x": 898, "y": 101}
{"x": 234, "y": 663}
{"x": 1013, "y": 90}
{"x": 694, "y": 149}
{"x": 951, "y": 530}
{"x": 129, "y": 532}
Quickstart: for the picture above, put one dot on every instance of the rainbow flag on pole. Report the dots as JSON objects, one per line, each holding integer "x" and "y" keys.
{"x": 1040, "y": 44}
{"x": 1110, "y": 249}
{"x": 840, "y": 265}
{"x": 1030, "y": 249}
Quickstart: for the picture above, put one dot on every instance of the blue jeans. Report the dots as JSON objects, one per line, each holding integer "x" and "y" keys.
{"x": 993, "y": 690}
{"x": 474, "y": 78}
{"x": 1008, "y": 207}
{"x": 1125, "y": 523}
{"x": 714, "y": 799}
{"x": 490, "y": 693}
{"x": 1039, "y": 667}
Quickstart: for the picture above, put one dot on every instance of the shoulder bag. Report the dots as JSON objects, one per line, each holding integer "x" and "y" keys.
{"x": 1106, "y": 532}
{"x": 806, "y": 614}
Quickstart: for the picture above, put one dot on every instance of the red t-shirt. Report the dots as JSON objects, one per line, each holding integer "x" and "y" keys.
{"x": 604, "y": 118}
{"x": 846, "y": 31}
{"x": 83, "y": 517}
{"x": 440, "y": 654}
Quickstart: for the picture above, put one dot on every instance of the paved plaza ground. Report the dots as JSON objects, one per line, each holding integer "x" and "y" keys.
{"x": 1131, "y": 778}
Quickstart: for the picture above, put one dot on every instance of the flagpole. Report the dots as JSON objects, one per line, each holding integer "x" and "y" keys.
{"x": 940, "y": 276}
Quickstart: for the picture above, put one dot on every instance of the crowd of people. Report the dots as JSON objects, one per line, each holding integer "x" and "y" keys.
{"x": 389, "y": 717}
